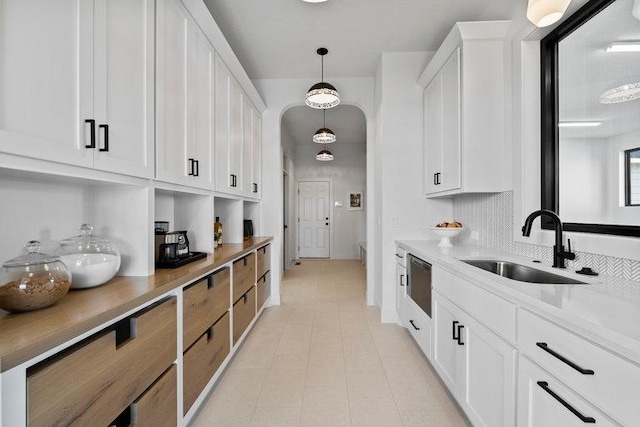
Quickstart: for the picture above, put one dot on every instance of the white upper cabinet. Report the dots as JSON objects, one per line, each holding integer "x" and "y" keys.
{"x": 229, "y": 131}
{"x": 184, "y": 110}
{"x": 251, "y": 155}
{"x": 77, "y": 82}
{"x": 464, "y": 125}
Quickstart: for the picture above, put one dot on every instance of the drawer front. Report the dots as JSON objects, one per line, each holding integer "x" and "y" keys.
{"x": 401, "y": 256}
{"x": 263, "y": 260}
{"x": 496, "y": 313}
{"x": 202, "y": 360}
{"x": 244, "y": 310}
{"x": 158, "y": 405}
{"x": 539, "y": 405}
{"x": 419, "y": 325}
{"x": 264, "y": 289}
{"x": 109, "y": 370}
{"x": 204, "y": 302}
{"x": 244, "y": 275}
{"x": 613, "y": 387}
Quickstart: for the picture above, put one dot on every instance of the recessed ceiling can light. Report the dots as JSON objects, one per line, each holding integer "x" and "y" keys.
{"x": 322, "y": 95}
{"x": 543, "y": 13}
{"x": 622, "y": 93}
{"x": 623, "y": 47}
{"x": 324, "y": 156}
{"x": 578, "y": 124}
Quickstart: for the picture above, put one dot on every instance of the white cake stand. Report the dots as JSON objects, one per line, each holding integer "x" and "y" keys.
{"x": 445, "y": 234}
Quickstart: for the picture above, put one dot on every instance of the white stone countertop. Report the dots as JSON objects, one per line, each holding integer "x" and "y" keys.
{"x": 606, "y": 310}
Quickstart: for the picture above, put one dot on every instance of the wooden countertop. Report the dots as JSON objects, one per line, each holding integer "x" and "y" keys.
{"x": 24, "y": 336}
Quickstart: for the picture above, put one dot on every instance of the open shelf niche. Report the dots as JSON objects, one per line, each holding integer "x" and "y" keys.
{"x": 252, "y": 211}
{"x": 230, "y": 213}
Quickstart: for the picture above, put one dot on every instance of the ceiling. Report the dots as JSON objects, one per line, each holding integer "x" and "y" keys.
{"x": 346, "y": 121}
{"x": 275, "y": 39}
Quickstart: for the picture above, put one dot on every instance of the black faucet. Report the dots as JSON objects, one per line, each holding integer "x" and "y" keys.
{"x": 559, "y": 254}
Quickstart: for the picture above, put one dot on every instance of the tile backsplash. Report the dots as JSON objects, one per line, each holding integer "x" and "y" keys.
{"x": 492, "y": 216}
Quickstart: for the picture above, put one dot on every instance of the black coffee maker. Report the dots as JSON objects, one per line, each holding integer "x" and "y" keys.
{"x": 175, "y": 246}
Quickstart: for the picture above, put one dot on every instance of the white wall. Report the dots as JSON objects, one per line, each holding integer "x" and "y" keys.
{"x": 584, "y": 180}
{"x": 404, "y": 211}
{"x": 620, "y": 214}
{"x": 347, "y": 172}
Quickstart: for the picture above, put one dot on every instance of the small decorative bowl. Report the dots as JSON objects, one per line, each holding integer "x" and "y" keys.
{"x": 445, "y": 233}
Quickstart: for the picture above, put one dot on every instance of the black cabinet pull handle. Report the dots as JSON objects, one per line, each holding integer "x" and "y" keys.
{"x": 191, "y": 167}
{"x": 459, "y": 339}
{"x": 545, "y": 347}
{"x": 414, "y": 326}
{"x": 255, "y": 187}
{"x": 453, "y": 330}
{"x": 545, "y": 386}
{"x": 402, "y": 280}
{"x": 197, "y": 164}
{"x": 245, "y": 297}
{"x": 435, "y": 181}
{"x": 106, "y": 137}
{"x": 93, "y": 133}
{"x": 399, "y": 256}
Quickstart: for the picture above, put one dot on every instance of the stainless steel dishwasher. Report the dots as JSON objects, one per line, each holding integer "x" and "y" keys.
{"x": 419, "y": 283}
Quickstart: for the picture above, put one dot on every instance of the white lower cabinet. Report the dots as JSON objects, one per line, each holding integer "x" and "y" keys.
{"x": 543, "y": 401}
{"x": 419, "y": 326}
{"x": 478, "y": 367}
{"x": 401, "y": 293}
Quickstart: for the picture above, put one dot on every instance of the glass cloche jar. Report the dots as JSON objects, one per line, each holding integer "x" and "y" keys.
{"x": 92, "y": 260}
{"x": 33, "y": 281}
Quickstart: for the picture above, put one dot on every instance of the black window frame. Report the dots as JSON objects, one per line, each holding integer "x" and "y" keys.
{"x": 627, "y": 177}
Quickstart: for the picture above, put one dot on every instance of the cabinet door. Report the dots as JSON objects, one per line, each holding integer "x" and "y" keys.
{"x": 172, "y": 77}
{"x": 401, "y": 293}
{"x": 47, "y": 79}
{"x": 247, "y": 147}
{"x": 200, "y": 110}
{"x": 447, "y": 358}
{"x": 450, "y": 178}
{"x": 543, "y": 401}
{"x": 236, "y": 136}
{"x": 124, "y": 86}
{"x": 223, "y": 179}
{"x": 256, "y": 155}
{"x": 490, "y": 376}
{"x": 433, "y": 135}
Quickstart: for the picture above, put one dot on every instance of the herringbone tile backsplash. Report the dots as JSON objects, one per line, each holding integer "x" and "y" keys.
{"x": 492, "y": 215}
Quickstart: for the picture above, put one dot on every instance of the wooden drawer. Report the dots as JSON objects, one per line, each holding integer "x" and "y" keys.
{"x": 613, "y": 387}
{"x": 108, "y": 370}
{"x": 244, "y": 310}
{"x": 202, "y": 360}
{"x": 494, "y": 312}
{"x": 264, "y": 289}
{"x": 157, "y": 407}
{"x": 244, "y": 275}
{"x": 204, "y": 302}
{"x": 263, "y": 262}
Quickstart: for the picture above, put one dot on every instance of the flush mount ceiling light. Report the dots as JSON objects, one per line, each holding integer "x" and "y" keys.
{"x": 543, "y": 13}
{"x": 324, "y": 135}
{"x": 322, "y": 95}
{"x": 578, "y": 124}
{"x": 324, "y": 156}
{"x": 623, "y": 46}
{"x": 622, "y": 93}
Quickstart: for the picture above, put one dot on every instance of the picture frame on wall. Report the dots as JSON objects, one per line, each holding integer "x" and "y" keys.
{"x": 355, "y": 200}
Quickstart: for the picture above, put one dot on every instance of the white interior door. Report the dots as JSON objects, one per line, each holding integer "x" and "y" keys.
{"x": 313, "y": 216}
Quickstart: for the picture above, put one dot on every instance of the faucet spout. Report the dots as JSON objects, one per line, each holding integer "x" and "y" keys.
{"x": 559, "y": 254}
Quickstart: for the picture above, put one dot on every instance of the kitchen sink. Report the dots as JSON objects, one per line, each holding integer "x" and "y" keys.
{"x": 522, "y": 273}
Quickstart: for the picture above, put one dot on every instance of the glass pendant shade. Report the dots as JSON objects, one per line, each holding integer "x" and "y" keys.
{"x": 543, "y": 13}
{"x": 324, "y": 136}
{"x": 324, "y": 156}
{"x": 322, "y": 95}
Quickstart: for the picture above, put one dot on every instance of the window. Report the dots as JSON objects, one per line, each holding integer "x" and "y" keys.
{"x": 632, "y": 174}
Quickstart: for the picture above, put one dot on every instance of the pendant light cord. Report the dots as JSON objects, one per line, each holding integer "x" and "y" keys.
{"x": 324, "y": 117}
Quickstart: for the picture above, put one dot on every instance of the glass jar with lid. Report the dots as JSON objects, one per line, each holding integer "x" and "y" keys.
{"x": 33, "y": 281}
{"x": 92, "y": 260}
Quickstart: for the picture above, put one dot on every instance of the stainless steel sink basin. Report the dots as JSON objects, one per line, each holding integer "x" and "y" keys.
{"x": 522, "y": 273}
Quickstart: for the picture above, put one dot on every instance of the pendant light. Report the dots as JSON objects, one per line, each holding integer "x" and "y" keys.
{"x": 324, "y": 156}
{"x": 322, "y": 95}
{"x": 324, "y": 135}
{"x": 543, "y": 13}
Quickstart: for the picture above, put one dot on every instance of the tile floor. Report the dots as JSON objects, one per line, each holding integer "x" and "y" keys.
{"x": 322, "y": 358}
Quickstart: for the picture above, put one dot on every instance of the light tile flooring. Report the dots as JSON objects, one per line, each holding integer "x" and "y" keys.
{"x": 322, "y": 358}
